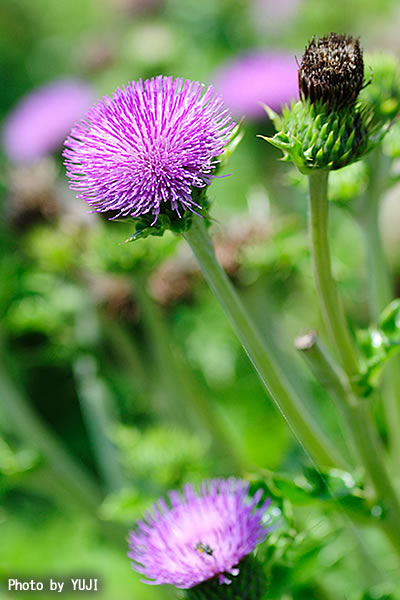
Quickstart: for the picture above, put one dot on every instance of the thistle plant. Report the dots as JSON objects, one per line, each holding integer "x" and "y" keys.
{"x": 149, "y": 153}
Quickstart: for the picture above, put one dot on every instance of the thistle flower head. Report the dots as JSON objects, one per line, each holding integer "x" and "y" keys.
{"x": 332, "y": 70}
{"x": 146, "y": 149}
{"x": 198, "y": 537}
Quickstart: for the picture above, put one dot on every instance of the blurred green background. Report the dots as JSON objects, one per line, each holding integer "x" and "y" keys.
{"x": 120, "y": 377}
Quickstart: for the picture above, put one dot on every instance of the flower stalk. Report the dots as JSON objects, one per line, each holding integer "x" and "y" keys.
{"x": 302, "y": 424}
{"x": 330, "y": 302}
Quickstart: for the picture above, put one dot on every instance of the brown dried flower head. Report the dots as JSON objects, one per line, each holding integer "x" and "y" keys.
{"x": 332, "y": 71}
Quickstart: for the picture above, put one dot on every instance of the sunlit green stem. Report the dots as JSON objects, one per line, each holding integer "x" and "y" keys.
{"x": 272, "y": 376}
{"x": 381, "y": 288}
{"x": 330, "y": 302}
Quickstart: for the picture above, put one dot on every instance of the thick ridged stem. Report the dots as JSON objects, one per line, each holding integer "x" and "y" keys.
{"x": 272, "y": 376}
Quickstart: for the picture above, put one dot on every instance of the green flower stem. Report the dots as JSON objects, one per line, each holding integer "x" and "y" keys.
{"x": 189, "y": 405}
{"x": 271, "y": 375}
{"x": 330, "y": 302}
{"x": 32, "y": 431}
{"x": 381, "y": 288}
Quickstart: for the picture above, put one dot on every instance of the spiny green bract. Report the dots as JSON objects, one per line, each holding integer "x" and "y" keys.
{"x": 315, "y": 137}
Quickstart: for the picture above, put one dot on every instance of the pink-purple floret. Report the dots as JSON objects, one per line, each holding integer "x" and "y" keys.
{"x": 39, "y": 122}
{"x": 198, "y": 536}
{"x": 147, "y": 146}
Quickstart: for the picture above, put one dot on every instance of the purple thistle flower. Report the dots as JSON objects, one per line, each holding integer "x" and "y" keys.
{"x": 40, "y": 121}
{"x": 247, "y": 80}
{"x": 147, "y": 147}
{"x": 200, "y": 536}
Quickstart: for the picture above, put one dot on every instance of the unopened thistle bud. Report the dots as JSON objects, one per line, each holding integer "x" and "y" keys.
{"x": 330, "y": 127}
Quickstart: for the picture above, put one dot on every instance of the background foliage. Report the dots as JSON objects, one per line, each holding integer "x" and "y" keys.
{"x": 118, "y": 355}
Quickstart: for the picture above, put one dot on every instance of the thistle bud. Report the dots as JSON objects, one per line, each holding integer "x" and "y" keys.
{"x": 332, "y": 71}
{"x": 331, "y": 126}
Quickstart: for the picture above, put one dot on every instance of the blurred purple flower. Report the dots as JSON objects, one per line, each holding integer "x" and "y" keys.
{"x": 199, "y": 536}
{"x": 147, "y": 147}
{"x": 256, "y": 77}
{"x": 40, "y": 121}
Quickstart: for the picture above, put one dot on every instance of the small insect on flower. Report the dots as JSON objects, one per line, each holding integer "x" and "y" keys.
{"x": 200, "y": 547}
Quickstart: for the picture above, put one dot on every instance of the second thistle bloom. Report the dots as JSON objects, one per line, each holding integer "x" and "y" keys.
{"x": 144, "y": 150}
{"x": 199, "y": 537}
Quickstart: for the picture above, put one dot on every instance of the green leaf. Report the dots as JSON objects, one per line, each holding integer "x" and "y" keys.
{"x": 335, "y": 489}
{"x": 379, "y": 343}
